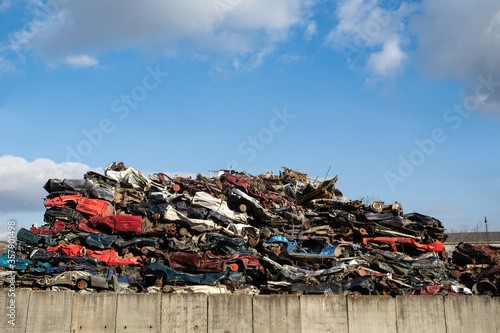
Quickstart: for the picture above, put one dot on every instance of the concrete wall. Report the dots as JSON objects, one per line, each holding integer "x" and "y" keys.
{"x": 45, "y": 311}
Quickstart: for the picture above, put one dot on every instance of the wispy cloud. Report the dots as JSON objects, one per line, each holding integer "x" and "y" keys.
{"x": 6, "y": 65}
{"x": 5, "y": 4}
{"x": 463, "y": 51}
{"x": 290, "y": 57}
{"x": 81, "y": 61}
{"x": 311, "y": 30}
{"x": 369, "y": 32}
{"x": 247, "y": 30}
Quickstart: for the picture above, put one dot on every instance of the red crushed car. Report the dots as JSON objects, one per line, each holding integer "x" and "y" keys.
{"x": 437, "y": 246}
{"x": 118, "y": 223}
{"x": 93, "y": 207}
{"x": 108, "y": 257}
{"x": 59, "y": 226}
{"x": 209, "y": 262}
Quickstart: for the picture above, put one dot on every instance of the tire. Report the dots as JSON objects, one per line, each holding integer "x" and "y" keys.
{"x": 82, "y": 284}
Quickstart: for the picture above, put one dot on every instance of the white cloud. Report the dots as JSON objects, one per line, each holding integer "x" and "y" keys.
{"x": 311, "y": 30}
{"x": 220, "y": 28}
{"x": 457, "y": 39}
{"x": 290, "y": 57}
{"x": 5, "y": 4}
{"x": 387, "y": 61}
{"x": 21, "y": 185}
{"x": 21, "y": 182}
{"x": 353, "y": 17}
{"x": 460, "y": 39}
{"x": 258, "y": 58}
{"x": 365, "y": 29}
{"x": 81, "y": 61}
{"x": 6, "y": 65}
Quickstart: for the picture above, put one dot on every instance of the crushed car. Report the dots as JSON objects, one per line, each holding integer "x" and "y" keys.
{"x": 233, "y": 232}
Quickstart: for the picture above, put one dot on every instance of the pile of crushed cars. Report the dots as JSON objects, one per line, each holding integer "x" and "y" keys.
{"x": 230, "y": 233}
{"x": 477, "y": 266}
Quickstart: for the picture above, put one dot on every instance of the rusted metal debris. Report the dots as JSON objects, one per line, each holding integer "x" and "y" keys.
{"x": 233, "y": 232}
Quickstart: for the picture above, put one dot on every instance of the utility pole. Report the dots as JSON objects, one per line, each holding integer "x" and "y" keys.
{"x": 487, "y": 234}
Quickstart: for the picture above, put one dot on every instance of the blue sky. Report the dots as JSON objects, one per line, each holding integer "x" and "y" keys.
{"x": 398, "y": 98}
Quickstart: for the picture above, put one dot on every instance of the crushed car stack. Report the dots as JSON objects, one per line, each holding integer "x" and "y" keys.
{"x": 477, "y": 266}
{"x": 233, "y": 232}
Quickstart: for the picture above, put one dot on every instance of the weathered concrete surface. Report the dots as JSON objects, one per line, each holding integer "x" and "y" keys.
{"x": 371, "y": 314}
{"x": 230, "y": 313}
{"x": 420, "y": 314}
{"x": 49, "y": 311}
{"x": 496, "y": 302}
{"x": 323, "y": 314}
{"x": 94, "y": 313}
{"x": 273, "y": 313}
{"x": 184, "y": 313}
{"x": 18, "y": 312}
{"x": 138, "y": 313}
{"x": 45, "y": 311}
{"x": 470, "y": 314}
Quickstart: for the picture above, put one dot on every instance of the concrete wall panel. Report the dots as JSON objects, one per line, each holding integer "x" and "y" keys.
{"x": 16, "y": 311}
{"x": 273, "y": 313}
{"x": 229, "y": 313}
{"x": 94, "y": 313}
{"x": 470, "y": 314}
{"x": 184, "y": 313}
{"x": 420, "y": 314}
{"x": 323, "y": 314}
{"x": 46, "y": 311}
{"x": 50, "y": 311}
{"x": 138, "y": 313}
{"x": 371, "y": 314}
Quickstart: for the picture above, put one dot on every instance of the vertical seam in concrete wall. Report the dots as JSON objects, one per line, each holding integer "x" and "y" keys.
{"x": 396, "y": 313}
{"x": 116, "y": 313}
{"x": 253, "y": 318}
{"x": 300, "y": 311}
{"x": 71, "y": 307}
{"x": 347, "y": 313}
{"x": 444, "y": 314}
{"x": 72, "y": 303}
{"x": 159, "y": 315}
{"x": 71, "y": 318}
{"x": 300, "y": 314}
{"x": 27, "y": 311}
{"x": 208, "y": 310}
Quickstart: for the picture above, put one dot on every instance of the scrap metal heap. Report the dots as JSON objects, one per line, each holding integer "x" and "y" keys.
{"x": 125, "y": 232}
{"x": 478, "y": 266}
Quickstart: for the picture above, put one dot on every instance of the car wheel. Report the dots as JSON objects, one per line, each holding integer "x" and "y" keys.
{"x": 81, "y": 284}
